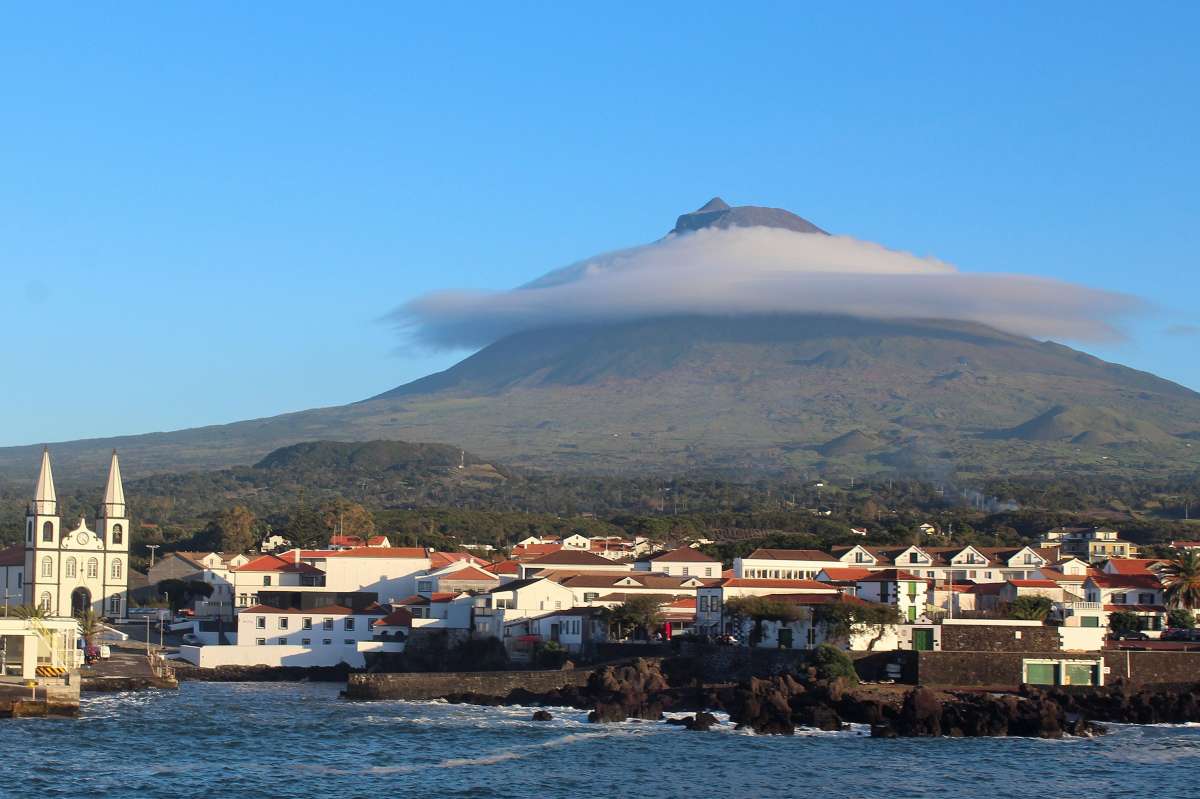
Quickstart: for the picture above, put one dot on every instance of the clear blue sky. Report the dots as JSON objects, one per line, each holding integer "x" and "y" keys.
{"x": 205, "y": 209}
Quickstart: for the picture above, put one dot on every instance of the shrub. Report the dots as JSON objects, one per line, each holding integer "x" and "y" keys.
{"x": 1123, "y": 621}
{"x": 831, "y": 662}
{"x": 1179, "y": 617}
{"x": 550, "y": 654}
{"x": 1031, "y": 608}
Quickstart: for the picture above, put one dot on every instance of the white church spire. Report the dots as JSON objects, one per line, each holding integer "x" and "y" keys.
{"x": 45, "y": 502}
{"x": 114, "y": 491}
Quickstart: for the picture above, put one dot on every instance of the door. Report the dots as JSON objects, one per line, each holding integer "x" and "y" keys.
{"x": 785, "y": 638}
{"x": 1081, "y": 674}
{"x": 923, "y": 640}
{"x": 1041, "y": 673}
{"x": 554, "y": 628}
{"x": 81, "y": 600}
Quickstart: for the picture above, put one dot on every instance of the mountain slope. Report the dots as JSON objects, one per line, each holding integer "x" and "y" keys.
{"x": 732, "y": 392}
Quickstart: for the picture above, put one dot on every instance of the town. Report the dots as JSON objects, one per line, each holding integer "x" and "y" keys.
{"x": 365, "y": 604}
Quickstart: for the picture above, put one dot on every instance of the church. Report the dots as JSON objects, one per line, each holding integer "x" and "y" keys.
{"x": 70, "y": 571}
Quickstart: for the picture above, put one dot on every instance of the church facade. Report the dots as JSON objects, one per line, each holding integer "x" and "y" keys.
{"x": 68, "y": 571}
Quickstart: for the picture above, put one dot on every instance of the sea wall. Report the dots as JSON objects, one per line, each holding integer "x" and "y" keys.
{"x": 721, "y": 664}
{"x": 1004, "y": 669}
{"x": 433, "y": 685}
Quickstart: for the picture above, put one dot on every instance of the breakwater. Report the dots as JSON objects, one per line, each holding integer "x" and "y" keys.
{"x": 437, "y": 685}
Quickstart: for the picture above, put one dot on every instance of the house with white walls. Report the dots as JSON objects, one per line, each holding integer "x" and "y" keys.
{"x": 457, "y": 577}
{"x": 517, "y": 599}
{"x": 783, "y": 564}
{"x": 439, "y": 611}
{"x": 904, "y": 590}
{"x": 684, "y": 562}
{"x": 1139, "y": 594}
{"x": 269, "y": 636}
{"x": 711, "y": 597}
{"x": 611, "y": 589}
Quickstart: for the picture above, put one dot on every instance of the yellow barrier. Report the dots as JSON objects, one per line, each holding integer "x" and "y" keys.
{"x": 51, "y": 671}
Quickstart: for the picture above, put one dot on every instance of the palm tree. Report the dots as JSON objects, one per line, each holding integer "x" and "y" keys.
{"x": 1181, "y": 580}
{"x": 89, "y": 626}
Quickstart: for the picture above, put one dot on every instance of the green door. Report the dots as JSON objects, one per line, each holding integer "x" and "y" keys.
{"x": 1081, "y": 674}
{"x": 912, "y": 613}
{"x": 1041, "y": 673}
{"x": 923, "y": 640}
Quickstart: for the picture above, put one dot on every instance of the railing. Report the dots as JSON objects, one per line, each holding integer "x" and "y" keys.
{"x": 1081, "y": 605}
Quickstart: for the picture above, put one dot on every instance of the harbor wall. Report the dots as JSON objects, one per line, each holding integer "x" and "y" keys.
{"x": 434, "y": 685}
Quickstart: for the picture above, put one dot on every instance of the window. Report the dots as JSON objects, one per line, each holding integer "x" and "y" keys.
{"x": 47, "y": 567}
{"x": 590, "y": 596}
{"x": 283, "y": 622}
{"x": 424, "y": 586}
{"x": 70, "y": 568}
{"x": 260, "y": 641}
{"x": 48, "y": 531}
{"x": 116, "y": 569}
{"x": 305, "y": 641}
{"x": 242, "y": 600}
{"x": 348, "y": 641}
{"x": 114, "y": 604}
{"x": 266, "y": 579}
{"x": 702, "y": 603}
{"x": 261, "y": 622}
{"x": 93, "y": 567}
{"x": 685, "y": 571}
{"x": 307, "y": 623}
{"x": 44, "y": 603}
{"x": 349, "y": 623}
{"x": 327, "y": 624}
{"x": 29, "y": 532}
{"x": 118, "y": 535}
{"x": 326, "y": 641}
{"x": 281, "y": 641}
{"x": 504, "y": 603}
{"x": 1145, "y": 599}
{"x": 708, "y": 571}
{"x": 1118, "y": 599}
{"x": 557, "y": 605}
{"x": 913, "y": 557}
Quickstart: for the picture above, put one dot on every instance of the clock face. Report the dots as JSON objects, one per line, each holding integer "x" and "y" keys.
{"x": 82, "y": 538}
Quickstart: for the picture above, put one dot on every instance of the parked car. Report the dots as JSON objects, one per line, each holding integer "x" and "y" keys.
{"x": 191, "y": 639}
{"x": 1181, "y": 634}
{"x": 1131, "y": 635}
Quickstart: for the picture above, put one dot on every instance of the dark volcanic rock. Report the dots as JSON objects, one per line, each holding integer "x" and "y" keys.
{"x": 542, "y": 715}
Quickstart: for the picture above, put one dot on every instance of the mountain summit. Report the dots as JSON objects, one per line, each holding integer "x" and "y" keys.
{"x": 716, "y": 213}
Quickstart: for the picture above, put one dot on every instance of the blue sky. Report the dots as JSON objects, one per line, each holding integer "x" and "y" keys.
{"x": 205, "y": 211}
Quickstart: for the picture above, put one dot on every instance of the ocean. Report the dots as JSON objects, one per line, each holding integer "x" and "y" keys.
{"x": 252, "y": 740}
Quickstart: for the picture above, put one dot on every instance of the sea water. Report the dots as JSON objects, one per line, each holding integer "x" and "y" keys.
{"x": 252, "y": 740}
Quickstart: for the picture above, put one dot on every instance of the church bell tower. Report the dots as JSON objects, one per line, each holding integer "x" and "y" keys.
{"x": 42, "y": 531}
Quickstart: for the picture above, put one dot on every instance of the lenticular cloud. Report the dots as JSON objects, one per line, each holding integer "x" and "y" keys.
{"x": 763, "y": 270}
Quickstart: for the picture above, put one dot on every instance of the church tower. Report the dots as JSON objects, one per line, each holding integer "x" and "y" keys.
{"x": 114, "y": 530}
{"x": 42, "y": 531}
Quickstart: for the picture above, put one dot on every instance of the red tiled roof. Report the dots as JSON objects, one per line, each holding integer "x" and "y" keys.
{"x": 439, "y": 560}
{"x": 891, "y": 575}
{"x": 417, "y": 599}
{"x": 504, "y": 567}
{"x": 570, "y": 557}
{"x": 1034, "y": 583}
{"x": 790, "y": 554}
{"x": 1130, "y": 565}
{"x": 818, "y": 599}
{"x": 274, "y": 563}
{"x": 845, "y": 574}
{"x": 1148, "y": 581}
{"x": 469, "y": 573}
{"x": 535, "y": 549}
{"x": 397, "y": 618}
{"x": 684, "y": 555}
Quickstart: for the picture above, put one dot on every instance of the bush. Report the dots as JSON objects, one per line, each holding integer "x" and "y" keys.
{"x": 550, "y": 654}
{"x": 831, "y": 662}
{"x": 1124, "y": 621}
{"x": 1181, "y": 618}
{"x": 1031, "y": 608}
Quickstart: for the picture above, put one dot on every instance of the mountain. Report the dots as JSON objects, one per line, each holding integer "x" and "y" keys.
{"x": 733, "y": 392}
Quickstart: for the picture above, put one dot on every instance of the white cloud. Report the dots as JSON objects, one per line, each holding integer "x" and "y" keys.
{"x": 749, "y": 270}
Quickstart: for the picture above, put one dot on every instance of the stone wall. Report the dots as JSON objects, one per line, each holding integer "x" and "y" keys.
{"x": 999, "y": 638}
{"x": 1002, "y": 670}
{"x": 720, "y": 664}
{"x": 430, "y": 685}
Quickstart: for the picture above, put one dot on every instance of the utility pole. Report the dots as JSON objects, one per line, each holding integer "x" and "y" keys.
{"x": 152, "y": 547}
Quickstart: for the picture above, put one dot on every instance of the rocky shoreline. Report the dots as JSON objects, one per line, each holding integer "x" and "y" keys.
{"x": 781, "y": 704}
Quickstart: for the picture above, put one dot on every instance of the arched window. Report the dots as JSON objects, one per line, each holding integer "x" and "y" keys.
{"x": 44, "y": 604}
{"x": 116, "y": 569}
{"x": 118, "y": 535}
{"x": 93, "y": 568}
{"x": 114, "y": 604}
{"x": 29, "y": 531}
{"x": 48, "y": 531}
{"x": 70, "y": 570}
{"x": 47, "y": 567}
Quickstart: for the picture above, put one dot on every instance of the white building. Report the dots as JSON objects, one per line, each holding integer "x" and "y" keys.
{"x": 682, "y": 562}
{"x": 267, "y": 636}
{"x": 783, "y": 564}
{"x": 67, "y": 572}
